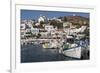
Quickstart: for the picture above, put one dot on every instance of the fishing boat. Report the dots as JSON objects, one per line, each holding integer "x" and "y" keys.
{"x": 52, "y": 44}
{"x": 74, "y": 52}
{"x": 71, "y": 49}
{"x": 46, "y": 45}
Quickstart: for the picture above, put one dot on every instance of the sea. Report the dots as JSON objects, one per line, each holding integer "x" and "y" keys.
{"x": 35, "y": 53}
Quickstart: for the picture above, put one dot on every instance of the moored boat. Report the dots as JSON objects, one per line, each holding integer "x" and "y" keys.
{"x": 74, "y": 52}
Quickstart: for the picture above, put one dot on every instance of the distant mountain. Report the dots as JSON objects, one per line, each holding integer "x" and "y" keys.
{"x": 76, "y": 19}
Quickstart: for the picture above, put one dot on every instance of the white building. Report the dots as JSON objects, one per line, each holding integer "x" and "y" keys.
{"x": 31, "y": 21}
{"x": 41, "y": 19}
{"x": 22, "y": 26}
{"x": 59, "y": 20}
{"x": 37, "y": 24}
{"x": 29, "y": 25}
{"x": 75, "y": 30}
{"x": 67, "y": 30}
{"x": 24, "y": 21}
{"x": 22, "y": 32}
{"x": 82, "y": 29}
{"x": 34, "y": 30}
{"x": 49, "y": 28}
{"x": 65, "y": 24}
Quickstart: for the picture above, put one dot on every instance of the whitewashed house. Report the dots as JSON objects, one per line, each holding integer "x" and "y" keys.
{"x": 29, "y": 25}
{"x": 41, "y": 19}
{"x": 59, "y": 20}
{"x": 81, "y": 29}
{"x": 66, "y": 24}
{"x": 22, "y": 26}
{"x": 49, "y": 28}
{"x": 22, "y": 30}
{"x": 37, "y": 24}
{"x": 35, "y": 30}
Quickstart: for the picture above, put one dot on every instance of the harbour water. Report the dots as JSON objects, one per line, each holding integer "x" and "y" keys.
{"x": 35, "y": 53}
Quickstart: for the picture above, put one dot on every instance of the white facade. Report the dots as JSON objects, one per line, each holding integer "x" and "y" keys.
{"x": 59, "y": 20}
{"x": 67, "y": 30}
{"x": 66, "y": 24}
{"x": 41, "y": 19}
{"x": 22, "y": 32}
{"x": 37, "y": 24}
{"x": 35, "y": 30}
{"x": 22, "y": 26}
{"x": 81, "y": 29}
{"x": 30, "y": 21}
{"x": 49, "y": 28}
{"x": 28, "y": 30}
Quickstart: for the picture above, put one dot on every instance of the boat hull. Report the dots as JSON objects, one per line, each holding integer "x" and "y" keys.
{"x": 73, "y": 52}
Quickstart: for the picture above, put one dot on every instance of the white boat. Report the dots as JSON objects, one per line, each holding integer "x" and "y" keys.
{"x": 74, "y": 52}
{"x": 50, "y": 45}
{"x": 46, "y": 45}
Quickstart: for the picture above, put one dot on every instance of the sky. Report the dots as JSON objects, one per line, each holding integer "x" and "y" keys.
{"x": 35, "y": 14}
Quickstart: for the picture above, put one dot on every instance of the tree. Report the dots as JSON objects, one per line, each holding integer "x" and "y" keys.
{"x": 53, "y": 22}
{"x": 41, "y": 22}
{"x": 56, "y": 24}
{"x": 59, "y": 25}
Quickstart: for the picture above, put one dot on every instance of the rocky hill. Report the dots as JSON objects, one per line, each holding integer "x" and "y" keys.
{"x": 76, "y": 19}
